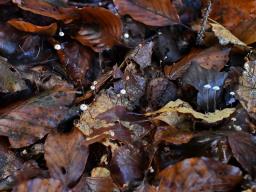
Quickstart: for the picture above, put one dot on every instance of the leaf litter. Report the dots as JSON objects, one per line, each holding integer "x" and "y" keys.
{"x": 106, "y": 95}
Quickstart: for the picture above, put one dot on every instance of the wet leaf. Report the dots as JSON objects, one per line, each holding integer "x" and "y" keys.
{"x": 243, "y": 146}
{"x": 149, "y": 12}
{"x": 29, "y": 121}
{"x": 199, "y": 174}
{"x": 183, "y": 108}
{"x": 29, "y": 27}
{"x": 37, "y": 184}
{"x": 93, "y": 184}
{"x": 10, "y": 78}
{"x": 128, "y": 163}
{"x": 66, "y": 156}
{"x": 77, "y": 62}
{"x": 100, "y": 28}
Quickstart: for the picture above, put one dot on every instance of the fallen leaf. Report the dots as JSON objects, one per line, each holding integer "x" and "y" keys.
{"x": 246, "y": 89}
{"x": 88, "y": 121}
{"x": 183, "y": 108}
{"x": 29, "y": 27}
{"x": 149, "y": 12}
{"x": 66, "y": 156}
{"x": 93, "y": 184}
{"x": 243, "y": 146}
{"x": 225, "y": 36}
{"x": 142, "y": 54}
{"x": 29, "y": 121}
{"x": 37, "y": 184}
{"x": 199, "y": 174}
{"x": 100, "y": 29}
{"x": 10, "y": 78}
{"x": 127, "y": 164}
{"x": 145, "y": 187}
{"x": 77, "y": 62}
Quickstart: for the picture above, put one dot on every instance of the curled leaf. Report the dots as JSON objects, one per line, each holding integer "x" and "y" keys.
{"x": 29, "y": 27}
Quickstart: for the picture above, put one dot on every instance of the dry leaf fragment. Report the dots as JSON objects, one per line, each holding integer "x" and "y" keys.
{"x": 149, "y": 12}
{"x": 181, "y": 107}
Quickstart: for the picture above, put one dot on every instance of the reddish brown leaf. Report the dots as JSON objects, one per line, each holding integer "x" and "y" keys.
{"x": 243, "y": 146}
{"x": 77, "y": 61}
{"x": 41, "y": 185}
{"x": 199, "y": 174}
{"x": 128, "y": 163}
{"x": 66, "y": 156}
{"x": 100, "y": 29}
{"x": 29, "y": 121}
{"x": 29, "y": 27}
{"x": 93, "y": 184}
{"x": 149, "y": 12}
{"x": 46, "y": 9}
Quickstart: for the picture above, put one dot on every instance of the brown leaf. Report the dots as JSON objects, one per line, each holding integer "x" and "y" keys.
{"x": 66, "y": 156}
{"x": 127, "y": 164}
{"x": 145, "y": 187}
{"x": 101, "y": 29}
{"x": 10, "y": 78}
{"x": 9, "y": 163}
{"x": 41, "y": 185}
{"x": 77, "y": 62}
{"x": 199, "y": 174}
{"x": 149, "y": 12}
{"x": 95, "y": 184}
{"x": 29, "y": 121}
{"x": 46, "y": 9}
{"x": 29, "y": 27}
{"x": 243, "y": 146}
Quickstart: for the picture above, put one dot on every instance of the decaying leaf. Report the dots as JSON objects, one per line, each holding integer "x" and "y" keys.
{"x": 29, "y": 27}
{"x": 88, "y": 121}
{"x": 225, "y": 36}
{"x": 183, "y": 108}
{"x": 243, "y": 146}
{"x": 199, "y": 174}
{"x": 149, "y": 12}
{"x": 37, "y": 184}
{"x": 247, "y": 88}
{"x": 66, "y": 156}
{"x": 29, "y": 121}
{"x": 10, "y": 78}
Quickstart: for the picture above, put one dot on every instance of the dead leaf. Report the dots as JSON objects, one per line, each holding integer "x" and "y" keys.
{"x": 149, "y": 12}
{"x": 31, "y": 28}
{"x": 37, "y": 184}
{"x": 243, "y": 146}
{"x": 88, "y": 121}
{"x": 66, "y": 156}
{"x": 95, "y": 184}
{"x": 247, "y": 90}
{"x": 146, "y": 187}
{"x": 100, "y": 29}
{"x": 225, "y": 36}
{"x": 199, "y": 174}
{"x": 31, "y": 120}
{"x": 127, "y": 164}
{"x": 183, "y": 108}
{"x": 142, "y": 54}
{"x": 10, "y": 78}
